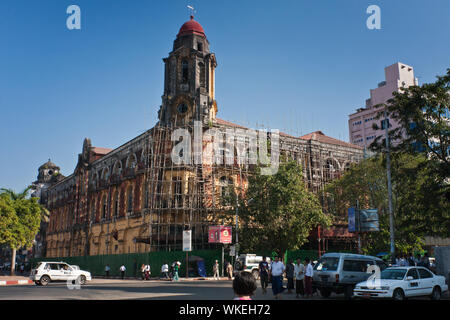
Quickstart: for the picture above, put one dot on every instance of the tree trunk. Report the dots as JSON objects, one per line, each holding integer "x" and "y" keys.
{"x": 13, "y": 262}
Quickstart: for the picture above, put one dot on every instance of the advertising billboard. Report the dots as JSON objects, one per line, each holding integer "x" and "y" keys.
{"x": 219, "y": 234}
{"x": 351, "y": 220}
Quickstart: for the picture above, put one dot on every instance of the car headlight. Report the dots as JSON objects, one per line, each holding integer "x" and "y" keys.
{"x": 384, "y": 288}
{"x": 358, "y": 287}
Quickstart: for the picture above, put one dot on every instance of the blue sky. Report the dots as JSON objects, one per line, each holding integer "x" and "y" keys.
{"x": 298, "y": 66}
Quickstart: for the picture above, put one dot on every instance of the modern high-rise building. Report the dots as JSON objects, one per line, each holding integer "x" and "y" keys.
{"x": 360, "y": 123}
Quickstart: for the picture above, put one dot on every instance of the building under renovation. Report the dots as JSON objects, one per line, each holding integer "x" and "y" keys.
{"x": 139, "y": 197}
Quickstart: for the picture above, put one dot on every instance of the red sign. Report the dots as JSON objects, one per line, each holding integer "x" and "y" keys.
{"x": 225, "y": 234}
{"x": 219, "y": 234}
{"x": 213, "y": 234}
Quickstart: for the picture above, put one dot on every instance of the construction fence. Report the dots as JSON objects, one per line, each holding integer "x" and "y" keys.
{"x": 133, "y": 261}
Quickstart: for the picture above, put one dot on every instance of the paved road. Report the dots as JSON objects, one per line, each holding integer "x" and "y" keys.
{"x": 136, "y": 289}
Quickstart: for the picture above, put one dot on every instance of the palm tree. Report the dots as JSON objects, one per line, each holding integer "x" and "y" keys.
{"x": 13, "y": 195}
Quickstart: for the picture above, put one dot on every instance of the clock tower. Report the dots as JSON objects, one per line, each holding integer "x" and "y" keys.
{"x": 189, "y": 79}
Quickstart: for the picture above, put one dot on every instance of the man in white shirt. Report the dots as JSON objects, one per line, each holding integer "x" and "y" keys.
{"x": 165, "y": 270}
{"x": 276, "y": 272}
{"x": 107, "y": 269}
{"x": 299, "y": 272}
{"x": 122, "y": 271}
{"x": 308, "y": 278}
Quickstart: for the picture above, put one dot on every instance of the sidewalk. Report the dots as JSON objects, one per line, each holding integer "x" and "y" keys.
{"x": 14, "y": 280}
{"x": 160, "y": 279}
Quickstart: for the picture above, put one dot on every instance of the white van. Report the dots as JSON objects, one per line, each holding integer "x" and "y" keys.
{"x": 251, "y": 263}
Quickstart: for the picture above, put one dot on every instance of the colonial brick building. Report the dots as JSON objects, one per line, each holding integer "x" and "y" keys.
{"x": 136, "y": 199}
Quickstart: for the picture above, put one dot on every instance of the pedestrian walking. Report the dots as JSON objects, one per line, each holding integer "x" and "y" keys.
{"x": 290, "y": 275}
{"x": 229, "y": 271}
{"x": 165, "y": 270}
{"x": 172, "y": 270}
{"x": 244, "y": 286}
{"x": 147, "y": 272}
{"x": 308, "y": 278}
{"x": 107, "y": 270}
{"x": 402, "y": 261}
{"x": 175, "y": 270}
{"x": 417, "y": 259}
{"x": 411, "y": 260}
{"x": 276, "y": 273}
{"x": 216, "y": 268}
{"x": 22, "y": 268}
{"x": 264, "y": 274}
{"x": 122, "y": 271}
{"x": 299, "y": 272}
{"x": 426, "y": 261}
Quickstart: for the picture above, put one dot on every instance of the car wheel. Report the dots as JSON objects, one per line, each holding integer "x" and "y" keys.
{"x": 82, "y": 280}
{"x": 326, "y": 293}
{"x": 436, "y": 294}
{"x": 348, "y": 292}
{"x": 255, "y": 274}
{"x": 45, "y": 280}
{"x": 398, "y": 294}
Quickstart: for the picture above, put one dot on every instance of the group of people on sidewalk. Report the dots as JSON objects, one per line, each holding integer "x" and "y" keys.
{"x": 146, "y": 271}
{"x": 299, "y": 276}
{"x": 407, "y": 260}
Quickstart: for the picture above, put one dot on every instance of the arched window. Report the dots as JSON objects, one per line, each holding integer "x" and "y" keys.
{"x": 184, "y": 71}
{"x": 131, "y": 161}
{"x": 105, "y": 174}
{"x": 130, "y": 199}
{"x": 117, "y": 168}
{"x": 146, "y": 196}
{"x": 202, "y": 71}
{"x": 104, "y": 207}
{"x": 116, "y": 204}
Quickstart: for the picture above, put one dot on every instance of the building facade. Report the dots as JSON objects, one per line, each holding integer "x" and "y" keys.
{"x": 360, "y": 123}
{"x": 135, "y": 198}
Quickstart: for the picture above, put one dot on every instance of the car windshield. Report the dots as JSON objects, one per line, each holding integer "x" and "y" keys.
{"x": 393, "y": 274}
{"x": 327, "y": 264}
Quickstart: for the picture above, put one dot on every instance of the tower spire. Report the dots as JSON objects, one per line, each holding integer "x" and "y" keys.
{"x": 191, "y": 11}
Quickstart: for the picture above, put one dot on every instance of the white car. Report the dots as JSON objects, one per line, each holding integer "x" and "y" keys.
{"x": 251, "y": 263}
{"x": 402, "y": 282}
{"x": 47, "y": 272}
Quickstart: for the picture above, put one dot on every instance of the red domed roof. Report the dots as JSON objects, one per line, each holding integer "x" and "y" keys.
{"x": 191, "y": 27}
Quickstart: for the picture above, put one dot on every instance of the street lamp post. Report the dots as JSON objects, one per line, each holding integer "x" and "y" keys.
{"x": 388, "y": 169}
{"x": 237, "y": 226}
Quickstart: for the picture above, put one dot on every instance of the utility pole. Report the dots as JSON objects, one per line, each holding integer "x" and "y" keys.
{"x": 237, "y": 228}
{"x": 388, "y": 169}
{"x": 357, "y": 214}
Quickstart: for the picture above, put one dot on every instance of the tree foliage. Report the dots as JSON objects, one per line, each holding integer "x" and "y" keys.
{"x": 20, "y": 218}
{"x": 277, "y": 211}
{"x": 420, "y": 207}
